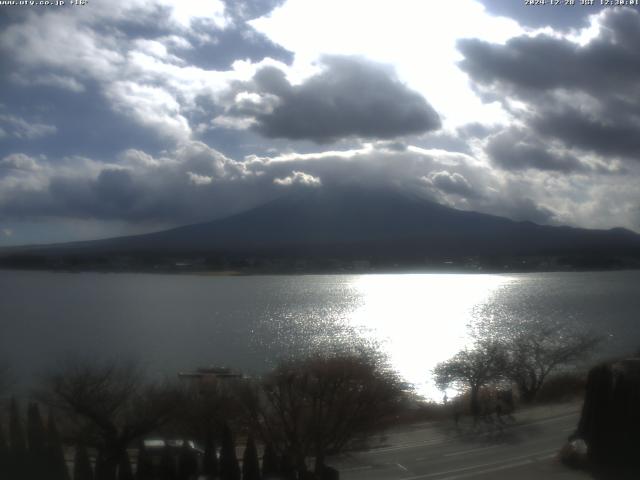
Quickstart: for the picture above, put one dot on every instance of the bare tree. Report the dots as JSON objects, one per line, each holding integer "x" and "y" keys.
{"x": 536, "y": 352}
{"x": 473, "y": 369}
{"x": 110, "y": 405}
{"x": 318, "y": 406}
{"x": 535, "y": 346}
{"x": 206, "y": 409}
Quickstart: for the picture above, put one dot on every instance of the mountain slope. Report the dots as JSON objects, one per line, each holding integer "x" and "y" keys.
{"x": 365, "y": 223}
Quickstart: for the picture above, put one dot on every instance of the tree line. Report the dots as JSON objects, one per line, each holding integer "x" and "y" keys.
{"x": 36, "y": 453}
{"x": 287, "y": 421}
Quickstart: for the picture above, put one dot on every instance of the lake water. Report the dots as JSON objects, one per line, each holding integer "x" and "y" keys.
{"x": 178, "y": 322}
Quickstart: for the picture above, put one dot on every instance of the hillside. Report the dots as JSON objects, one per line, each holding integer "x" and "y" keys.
{"x": 352, "y": 225}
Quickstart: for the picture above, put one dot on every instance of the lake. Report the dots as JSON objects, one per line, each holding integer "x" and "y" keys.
{"x": 171, "y": 323}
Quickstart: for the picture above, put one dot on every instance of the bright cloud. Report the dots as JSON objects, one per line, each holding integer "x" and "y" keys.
{"x": 298, "y": 178}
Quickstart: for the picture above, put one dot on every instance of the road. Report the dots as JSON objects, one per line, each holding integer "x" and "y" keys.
{"x": 525, "y": 448}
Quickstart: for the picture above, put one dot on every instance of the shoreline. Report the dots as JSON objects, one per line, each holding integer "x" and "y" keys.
{"x": 257, "y": 272}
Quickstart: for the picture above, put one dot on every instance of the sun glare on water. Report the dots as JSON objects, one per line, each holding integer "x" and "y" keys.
{"x": 421, "y": 319}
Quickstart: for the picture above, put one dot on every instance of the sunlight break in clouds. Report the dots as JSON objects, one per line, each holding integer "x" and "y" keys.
{"x": 417, "y": 37}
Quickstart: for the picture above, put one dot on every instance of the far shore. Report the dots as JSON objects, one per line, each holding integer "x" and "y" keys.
{"x": 303, "y": 272}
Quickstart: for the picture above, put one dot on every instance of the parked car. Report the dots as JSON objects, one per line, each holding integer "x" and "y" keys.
{"x": 158, "y": 448}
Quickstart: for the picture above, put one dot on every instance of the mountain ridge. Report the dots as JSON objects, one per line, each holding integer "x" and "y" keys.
{"x": 384, "y": 226}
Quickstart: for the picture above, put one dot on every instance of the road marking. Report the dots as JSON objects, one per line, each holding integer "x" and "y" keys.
{"x": 404, "y": 447}
{"x": 355, "y": 469}
{"x": 500, "y": 465}
{"x": 471, "y": 450}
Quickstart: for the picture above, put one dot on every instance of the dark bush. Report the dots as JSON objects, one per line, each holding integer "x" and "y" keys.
{"x": 562, "y": 387}
{"x": 269, "y": 462}
{"x": 81, "y": 465}
{"x": 250, "y": 464}
{"x": 210, "y": 460}
{"x": 229, "y": 468}
{"x": 124, "y": 468}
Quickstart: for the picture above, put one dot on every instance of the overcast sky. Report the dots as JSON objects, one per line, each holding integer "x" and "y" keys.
{"x": 127, "y": 116}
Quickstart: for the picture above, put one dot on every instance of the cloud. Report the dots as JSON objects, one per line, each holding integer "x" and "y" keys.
{"x": 195, "y": 183}
{"x": 242, "y": 10}
{"x": 17, "y": 127}
{"x": 199, "y": 179}
{"x": 451, "y": 183}
{"x": 298, "y": 178}
{"x": 185, "y": 12}
{"x": 418, "y": 38}
{"x": 147, "y": 61}
{"x": 609, "y": 134}
{"x": 524, "y": 208}
{"x": 150, "y": 106}
{"x": 514, "y": 149}
{"x": 560, "y": 16}
{"x": 609, "y": 57}
{"x": 349, "y": 97}
{"x": 115, "y": 187}
{"x": 19, "y": 161}
{"x": 583, "y": 96}
{"x": 164, "y": 114}
{"x": 50, "y": 80}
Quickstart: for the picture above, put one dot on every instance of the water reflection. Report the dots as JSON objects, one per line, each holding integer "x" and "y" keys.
{"x": 421, "y": 319}
{"x": 176, "y": 322}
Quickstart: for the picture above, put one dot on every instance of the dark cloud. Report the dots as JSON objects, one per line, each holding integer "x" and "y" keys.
{"x": 560, "y": 16}
{"x": 244, "y": 10}
{"x": 351, "y": 97}
{"x": 393, "y": 146}
{"x": 590, "y": 132}
{"x": 513, "y": 149}
{"x": 585, "y": 97}
{"x": 525, "y": 209}
{"x": 116, "y": 187}
{"x": 529, "y": 64}
{"x": 524, "y": 62}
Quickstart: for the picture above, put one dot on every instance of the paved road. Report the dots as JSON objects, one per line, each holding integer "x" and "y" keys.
{"x": 523, "y": 449}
